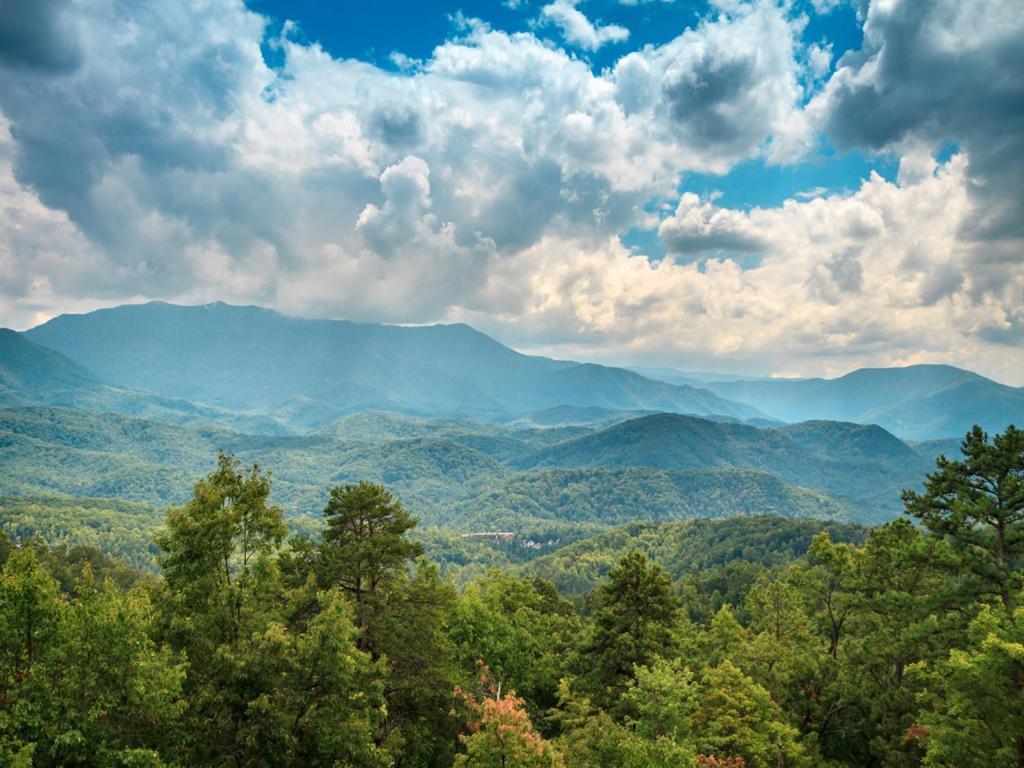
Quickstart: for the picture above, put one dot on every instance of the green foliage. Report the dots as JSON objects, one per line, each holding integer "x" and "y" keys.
{"x": 263, "y": 689}
{"x": 974, "y": 713}
{"x": 122, "y": 529}
{"x": 364, "y": 541}
{"x": 979, "y": 504}
{"x": 83, "y": 683}
{"x": 634, "y": 617}
{"x": 738, "y": 718}
{"x": 522, "y": 630}
{"x": 746, "y": 642}
{"x": 693, "y": 549}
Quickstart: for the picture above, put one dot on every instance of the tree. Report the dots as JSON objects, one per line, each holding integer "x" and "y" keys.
{"x": 979, "y": 504}
{"x": 365, "y": 540}
{"x": 114, "y": 696}
{"x": 267, "y": 684}
{"x": 974, "y": 713}
{"x": 521, "y": 629}
{"x": 218, "y": 555}
{"x": 736, "y": 717}
{"x": 634, "y": 622}
{"x": 30, "y": 615}
{"x": 81, "y": 681}
{"x": 319, "y": 699}
{"x": 661, "y": 703}
{"x": 500, "y": 734}
{"x": 400, "y": 615}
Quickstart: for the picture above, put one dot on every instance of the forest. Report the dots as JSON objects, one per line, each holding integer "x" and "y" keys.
{"x": 729, "y": 643}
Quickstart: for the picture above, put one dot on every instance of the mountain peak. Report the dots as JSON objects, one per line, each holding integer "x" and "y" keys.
{"x": 311, "y": 372}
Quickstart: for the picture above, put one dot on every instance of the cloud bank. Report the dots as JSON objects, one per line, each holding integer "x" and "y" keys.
{"x": 147, "y": 150}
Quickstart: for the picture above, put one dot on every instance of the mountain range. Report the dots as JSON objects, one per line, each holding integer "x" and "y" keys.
{"x": 256, "y": 370}
{"x": 917, "y": 402}
{"x": 103, "y": 412}
{"x": 307, "y": 373}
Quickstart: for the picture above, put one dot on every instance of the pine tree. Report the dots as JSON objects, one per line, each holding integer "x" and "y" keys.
{"x": 635, "y": 618}
{"x": 978, "y": 503}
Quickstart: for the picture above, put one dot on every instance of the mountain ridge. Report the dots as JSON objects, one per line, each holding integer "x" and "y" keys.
{"x": 917, "y": 402}
{"x": 314, "y": 371}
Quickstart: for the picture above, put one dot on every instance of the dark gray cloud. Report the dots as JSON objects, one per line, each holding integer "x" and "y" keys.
{"x": 398, "y": 127}
{"x": 702, "y": 100}
{"x": 37, "y": 35}
{"x": 942, "y": 70}
{"x": 682, "y": 242}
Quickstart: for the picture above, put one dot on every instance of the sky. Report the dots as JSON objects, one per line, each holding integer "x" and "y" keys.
{"x": 770, "y": 187}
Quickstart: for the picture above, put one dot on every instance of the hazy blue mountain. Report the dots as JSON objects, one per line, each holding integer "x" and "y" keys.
{"x": 29, "y": 370}
{"x": 693, "y": 378}
{"x": 31, "y": 374}
{"x": 310, "y": 372}
{"x": 919, "y": 402}
{"x": 862, "y": 466}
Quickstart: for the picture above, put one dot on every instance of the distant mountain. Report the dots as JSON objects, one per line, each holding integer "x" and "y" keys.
{"x": 862, "y": 466}
{"x": 310, "y": 372}
{"x": 29, "y": 371}
{"x": 693, "y": 378}
{"x": 31, "y": 374}
{"x": 919, "y": 402}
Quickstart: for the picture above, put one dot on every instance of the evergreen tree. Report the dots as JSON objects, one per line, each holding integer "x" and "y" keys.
{"x": 400, "y": 615}
{"x": 365, "y": 540}
{"x": 978, "y": 502}
{"x": 635, "y": 618}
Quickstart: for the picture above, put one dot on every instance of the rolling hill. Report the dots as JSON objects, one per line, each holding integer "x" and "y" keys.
{"x": 310, "y": 372}
{"x": 685, "y": 547}
{"x": 861, "y": 466}
{"x": 617, "y": 496}
{"x": 474, "y": 475}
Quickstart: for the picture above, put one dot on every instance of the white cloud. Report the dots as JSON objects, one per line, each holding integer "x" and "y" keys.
{"x": 490, "y": 183}
{"x": 577, "y": 29}
{"x": 873, "y": 277}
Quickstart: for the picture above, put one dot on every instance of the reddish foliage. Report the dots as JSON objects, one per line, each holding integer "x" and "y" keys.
{"x": 918, "y": 733}
{"x": 710, "y": 761}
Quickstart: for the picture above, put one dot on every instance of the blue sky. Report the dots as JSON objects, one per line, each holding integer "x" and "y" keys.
{"x": 784, "y": 187}
{"x": 368, "y": 32}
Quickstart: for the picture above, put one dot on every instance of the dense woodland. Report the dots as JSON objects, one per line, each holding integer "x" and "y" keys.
{"x": 743, "y": 643}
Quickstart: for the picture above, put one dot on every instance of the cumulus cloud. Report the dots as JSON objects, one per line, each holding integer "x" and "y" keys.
{"x": 577, "y": 29}
{"x": 876, "y": 275}
{"x": 147, "y": 150}
{"x": 939, "y": 70}
{"x": 724, "y": 86}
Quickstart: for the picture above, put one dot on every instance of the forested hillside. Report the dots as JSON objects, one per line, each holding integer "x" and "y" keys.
{"x": 862, "y": 466}
{"x": 744, "y": 642}
{"x": 480, "y": 475}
